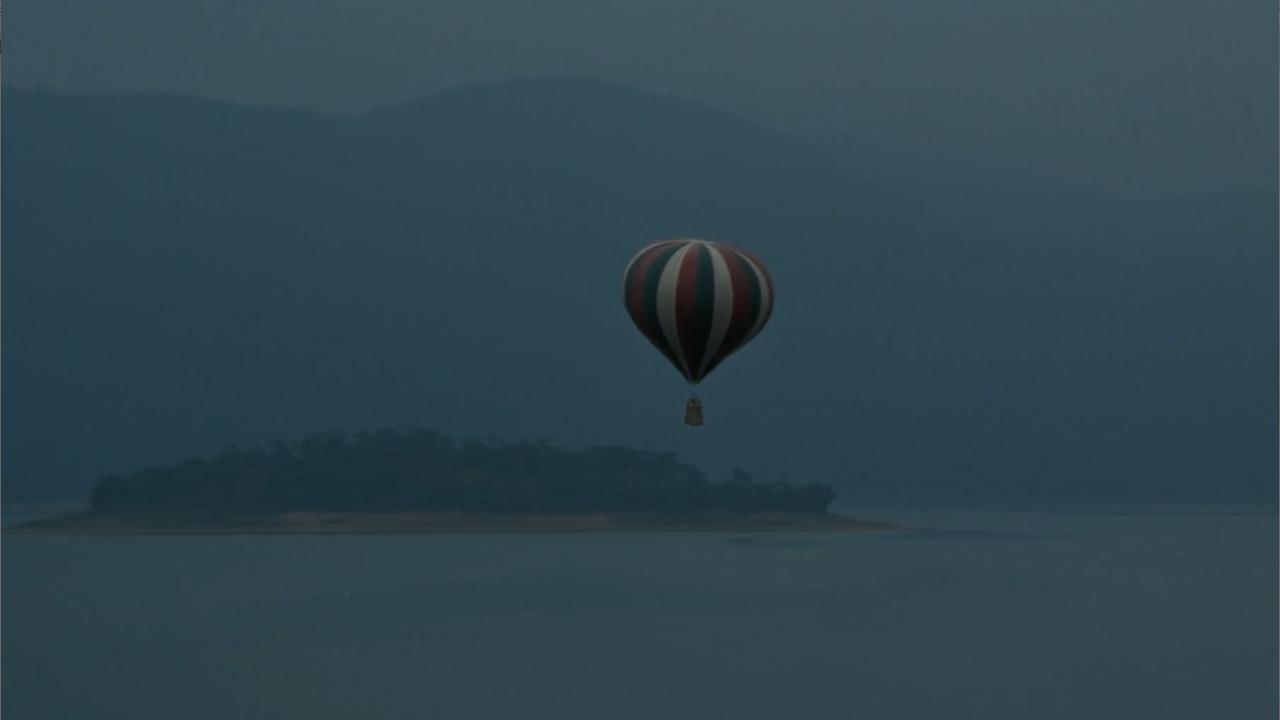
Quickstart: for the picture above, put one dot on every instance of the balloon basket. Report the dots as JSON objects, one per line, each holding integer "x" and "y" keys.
{"x": 693, "y": 412}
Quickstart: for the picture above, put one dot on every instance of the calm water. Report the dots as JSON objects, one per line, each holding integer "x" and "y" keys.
{"x": 994, "y": 615}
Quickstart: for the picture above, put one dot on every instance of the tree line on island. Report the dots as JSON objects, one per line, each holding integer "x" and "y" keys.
{"x": 425, "y": 471}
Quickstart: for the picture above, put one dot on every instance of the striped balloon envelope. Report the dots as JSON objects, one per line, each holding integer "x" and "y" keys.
{"x": 697, "y": 301}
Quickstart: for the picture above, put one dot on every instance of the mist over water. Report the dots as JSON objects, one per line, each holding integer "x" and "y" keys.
{"x": 966, "y": 614}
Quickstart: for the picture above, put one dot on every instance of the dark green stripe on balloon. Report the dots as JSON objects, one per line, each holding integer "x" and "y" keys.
{"x": 695, "y": 324}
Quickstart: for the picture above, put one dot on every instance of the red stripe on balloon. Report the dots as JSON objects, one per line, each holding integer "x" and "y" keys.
{"x": 768, "y": 280}
{"x": 636, "y": 296}
{"x": 633, "y": 288}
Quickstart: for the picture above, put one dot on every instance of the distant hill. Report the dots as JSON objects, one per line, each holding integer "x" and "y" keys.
{"x": 180, "y": 273}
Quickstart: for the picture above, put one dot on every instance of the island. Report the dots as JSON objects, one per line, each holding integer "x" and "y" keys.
{"x": 421, "y": 481}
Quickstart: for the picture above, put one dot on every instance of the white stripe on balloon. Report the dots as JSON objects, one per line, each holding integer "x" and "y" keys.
{"x": 667, "y": 304}
{"x": 723, "y": 308}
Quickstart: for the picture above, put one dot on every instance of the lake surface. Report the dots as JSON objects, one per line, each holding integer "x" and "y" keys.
{"x": 984, "y": 614}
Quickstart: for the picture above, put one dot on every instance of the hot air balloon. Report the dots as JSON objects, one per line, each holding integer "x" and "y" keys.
{"x": 697, "y": 301}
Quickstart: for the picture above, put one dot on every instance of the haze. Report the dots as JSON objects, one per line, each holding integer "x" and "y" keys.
{"x": 1024, "y": 252}
{"x": 1025, "y": 323}
{"x": 1132, "y": 96}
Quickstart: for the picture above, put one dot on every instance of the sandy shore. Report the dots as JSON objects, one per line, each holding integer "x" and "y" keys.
{"x": 431, "y": 523}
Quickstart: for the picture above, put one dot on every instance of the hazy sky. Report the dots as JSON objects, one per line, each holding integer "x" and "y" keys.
{"x": 1143, "y": 96}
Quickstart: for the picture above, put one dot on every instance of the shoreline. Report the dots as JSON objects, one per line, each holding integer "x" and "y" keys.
{"x": 314, "y": 523}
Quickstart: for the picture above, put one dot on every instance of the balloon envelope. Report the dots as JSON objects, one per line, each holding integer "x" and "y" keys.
{"x": 697, "y": 301}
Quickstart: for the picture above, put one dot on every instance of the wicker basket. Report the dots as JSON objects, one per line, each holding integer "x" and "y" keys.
{"x": 693, "y": 412}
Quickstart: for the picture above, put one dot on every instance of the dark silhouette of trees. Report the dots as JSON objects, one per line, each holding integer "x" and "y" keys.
{"x": 419, "y": 470}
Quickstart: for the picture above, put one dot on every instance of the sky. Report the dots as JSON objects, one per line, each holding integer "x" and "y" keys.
{"x": 1133, "y": 97}
{"x": 986, "y": 324}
